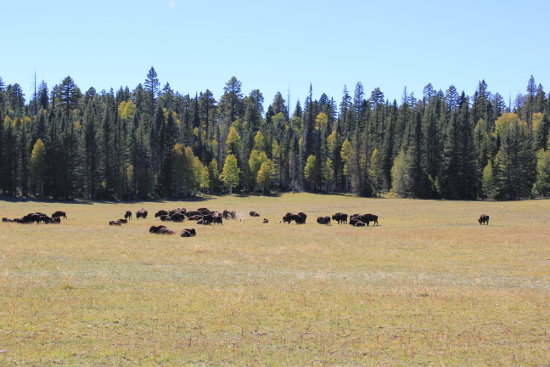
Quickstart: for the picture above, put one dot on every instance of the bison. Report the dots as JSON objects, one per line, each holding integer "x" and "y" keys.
{"x": 160, "y": 230}
{"x": 483, "y": 219}
{"x": 340, "y": 217}
{"x": 217, "y": 220}
{"x": 142, "y": 213}
{"x": 254, "y": 214}
{"x": 7, "y": 220}
{"x": 128, "y": 215}
{"x": 59, "y": 214}
{"x": 265, "y": 220}
{"x": 323, "y": 220}
{"x": 188, "y": 232}
{"x": 358, "y": 223}
{"x": 160, "y": 213}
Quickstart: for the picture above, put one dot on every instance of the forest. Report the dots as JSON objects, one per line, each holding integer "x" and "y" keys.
{"x": 154, "y": 143}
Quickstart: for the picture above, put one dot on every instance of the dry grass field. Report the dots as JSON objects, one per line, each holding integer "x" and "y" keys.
{"x": 428, "y": 287}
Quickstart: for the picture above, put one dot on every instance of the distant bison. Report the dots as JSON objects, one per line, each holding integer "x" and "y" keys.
{"x": 265, "y": 220}
{"x": 128, "y": 215}
{"x": 254, "y": 214}
{"x": 229, "y": 214}
{"x": 7, "y": 220}
{"x": 160, "y": 213}
{"x": 365, "y": 218}
{"x": 118, "y": 222}
{"x": 358, "y": 223}
{"x": 59, "y": 214}
{"x": 299, "y": 218}
{"x": 160, "y": 230}
{"x": 483, "y": 219}
{"x": 188, "y": 232}
{"x": 142, "y": 213}
{"x": 323, "y": 220}
{"x": 340, "y": 217}
{"x": 217, "y": 220}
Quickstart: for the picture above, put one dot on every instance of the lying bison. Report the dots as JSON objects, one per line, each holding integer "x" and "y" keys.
{"x": 160, "y": 230}
{"x": 142, "y": 213}
{"x": 118, "y": 222}
{"x": 254, "y": 214}
{"x": 483, "y": 219}
{"x": 188, "y": 232}
{"x": 323, "y": 220}
{"x": 59, "y": 214}
{"x": 265, "y": 220}
{"x": 160, "y": 213}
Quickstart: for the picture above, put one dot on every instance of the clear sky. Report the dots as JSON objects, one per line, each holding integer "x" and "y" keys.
{"x": 278, "y": 45}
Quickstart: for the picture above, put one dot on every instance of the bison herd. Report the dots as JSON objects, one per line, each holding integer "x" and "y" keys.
{"x": 205, "y": 216}
{"x": 38, "y": 217}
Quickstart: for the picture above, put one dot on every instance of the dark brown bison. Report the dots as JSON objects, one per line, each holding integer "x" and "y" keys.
{"x": 59, "y": 214}
{"x": 177, "y": 217}
{"x": 358, "y": 223}
{"x": 370, "y": 218}
{"x": 192, "y": 213}
{"x": 142, "y": 213}
{"x": 160, "y": 230}
{"x": 7, "y": 220}
{"x": 287, "y": 218}
{"x": 217, "y": 220}
{"x": 37, "y": 217}
{"x": 299, "y": 218}
{"x": 365, "y": 218}
{"x": 56, "y": 220}
{"x": 340, "y": 217}
{"x": 254, "y": 214}
{"x": 128, "y": 215}
{"x": 160, "y": 213}
{"x": 323, "y": 220}
{"x": 483, "y": 219}
{"x": 188, "y": 232}
{"x": 265, "y": 220}
{"x": 118, "y": 222}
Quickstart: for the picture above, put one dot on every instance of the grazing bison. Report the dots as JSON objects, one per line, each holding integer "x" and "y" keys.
{"x": 128, "y": 215}
{"x": 303, "y": 218}
{"x": 188, "y": 232}
{"x": 217, "y": 220}
{"x": 160, "y": 213}
{"x": 365, "y": 218}
{"x": 483, "y": 218}
{"x": 265, "y": 220}
{"x": 160, "y": 230}
{"x": 59, "y": 214}
{"x": 340, "y": 217}
{"x": 142, "y": 213}
{"x": 323, "y": 220}
{"x": 254, "y": 214}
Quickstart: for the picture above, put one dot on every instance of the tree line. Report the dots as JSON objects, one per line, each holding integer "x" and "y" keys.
{"x": 152, "y": 142}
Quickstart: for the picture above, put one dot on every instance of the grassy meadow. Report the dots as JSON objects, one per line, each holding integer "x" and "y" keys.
{"x": 428, "y": 287}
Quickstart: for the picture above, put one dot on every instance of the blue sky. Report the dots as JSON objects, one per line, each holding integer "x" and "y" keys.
{"x": 278, "y": 45}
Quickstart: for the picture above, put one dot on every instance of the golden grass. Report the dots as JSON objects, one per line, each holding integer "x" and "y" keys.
{"x": 428, "y": 287}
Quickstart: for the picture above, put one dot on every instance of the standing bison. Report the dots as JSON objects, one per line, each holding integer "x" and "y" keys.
{"x": 59, "y": 214}
{"x": 483, "y": 219}
{"x": 142, "y": 213}
{"x": 340, "y": 217}
{"x": 128, "y": 215}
